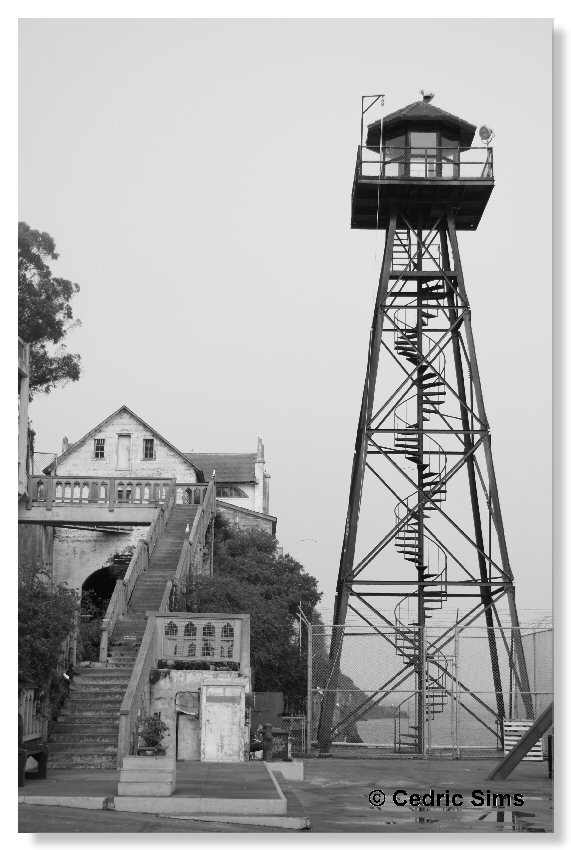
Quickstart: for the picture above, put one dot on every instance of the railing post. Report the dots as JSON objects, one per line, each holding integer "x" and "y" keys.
{"x": 29, "y": 500}
{"x": 104, "y": 641}
{"x": 111, "y": 494}
{"x": 49, "y": 485}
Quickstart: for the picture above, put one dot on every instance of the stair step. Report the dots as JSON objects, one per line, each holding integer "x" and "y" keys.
{"x": 82, "y": 747}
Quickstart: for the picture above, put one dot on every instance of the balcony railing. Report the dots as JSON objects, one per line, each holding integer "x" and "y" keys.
{"x": 50, "y": 491}
{"x": 390, "y": 163}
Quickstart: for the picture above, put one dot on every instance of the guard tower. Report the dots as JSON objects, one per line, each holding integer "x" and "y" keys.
{"x": 423, "y": 438}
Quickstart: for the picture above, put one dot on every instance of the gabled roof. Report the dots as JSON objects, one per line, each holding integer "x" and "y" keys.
{"x": 102, "y": 424}
{"x": 230, "y": 507}
{"x": 230, "y": 468}
{"x": 421, "y": 112}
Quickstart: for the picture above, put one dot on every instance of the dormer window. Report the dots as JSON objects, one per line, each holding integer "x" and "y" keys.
{"x": 148, "y": 448}
{"x": 99, "y": 449}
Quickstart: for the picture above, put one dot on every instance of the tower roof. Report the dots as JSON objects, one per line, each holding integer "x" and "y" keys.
{"x": 421, "y": 112}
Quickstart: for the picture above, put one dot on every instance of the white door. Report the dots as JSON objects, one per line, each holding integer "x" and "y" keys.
{"x": 222, "y": 723}
{"x": 124, "y": 452}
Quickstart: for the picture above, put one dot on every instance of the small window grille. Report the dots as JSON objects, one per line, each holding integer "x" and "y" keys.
{"x": 190, "y": 630}
{"x": 208, "y": 630}
{"x": 99, "y": 449}
{"x": 227, "y": 631}
{"x": 171, "y": 628}
{"x": 207, "y": 648}
{"x": 148, "y": 448}
{"x": 192, "y": 649}
{"x": 226, "y": 648}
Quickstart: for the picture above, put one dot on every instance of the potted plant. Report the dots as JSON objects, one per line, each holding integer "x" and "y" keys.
{"x": 152, "y": 731}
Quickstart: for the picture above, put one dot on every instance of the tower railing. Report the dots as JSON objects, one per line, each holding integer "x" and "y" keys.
{"x": 434, "y": 163}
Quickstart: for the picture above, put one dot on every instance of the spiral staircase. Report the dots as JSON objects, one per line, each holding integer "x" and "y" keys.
{"x": 425, "y": 461}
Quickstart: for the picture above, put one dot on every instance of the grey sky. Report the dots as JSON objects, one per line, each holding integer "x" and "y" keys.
{"x": 196, "y": 176}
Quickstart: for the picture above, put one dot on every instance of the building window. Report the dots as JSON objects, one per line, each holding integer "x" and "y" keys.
{"x": 230, "y": 491}
{"x": 99, "y": 449}
{"x": 227, "y": 641}
{"x": 207, "y": 649}
{"x": 148, "y": 448}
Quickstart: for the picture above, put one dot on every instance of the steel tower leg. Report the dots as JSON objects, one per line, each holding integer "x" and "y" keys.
{"x": 495, "y": 502}
{"x": 485, "y": 591}
{"x": 355, "y": 493}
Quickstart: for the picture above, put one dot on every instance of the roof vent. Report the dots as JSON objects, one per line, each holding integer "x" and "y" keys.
{"x": 427, "y": 96}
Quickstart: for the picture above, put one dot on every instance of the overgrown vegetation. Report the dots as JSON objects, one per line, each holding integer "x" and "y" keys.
{"x": 46, "y": 616}
{"x": 250, "y": 578}
{"x": 45, "y": 315}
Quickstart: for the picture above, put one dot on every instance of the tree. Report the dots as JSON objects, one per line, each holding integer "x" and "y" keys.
{"x": 46, "y": 616}
{"x": 44, "y": 312}
{"x": 249, "y": 578}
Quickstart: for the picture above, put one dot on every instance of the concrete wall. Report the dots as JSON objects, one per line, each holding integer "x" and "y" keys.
{"x": 78, "y": 552}
{"x": 163, "y": 699}
{"x": 81, "y": 460}
{"x": 35, "y": 546}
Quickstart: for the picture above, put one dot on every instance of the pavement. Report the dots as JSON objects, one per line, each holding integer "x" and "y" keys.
{"x": 335, "y": 796}
{"x": 336, "y": 793}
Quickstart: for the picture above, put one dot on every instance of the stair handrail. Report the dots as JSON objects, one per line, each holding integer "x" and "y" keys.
{"x": 192, "y": 551}
{"x": 138, "y": 564}
{"x": 136, "y": 701}
{"x": 158, "y": 525}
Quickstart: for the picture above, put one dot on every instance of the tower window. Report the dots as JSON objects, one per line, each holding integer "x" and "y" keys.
{"x": 99, "y": 449}
{"x": 148, "y": 448}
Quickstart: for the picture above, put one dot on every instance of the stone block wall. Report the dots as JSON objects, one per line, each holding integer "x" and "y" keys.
{"x": 168, "y": 463}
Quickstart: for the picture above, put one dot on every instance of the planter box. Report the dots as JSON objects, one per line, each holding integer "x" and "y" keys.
{"x": 147, "y": 776}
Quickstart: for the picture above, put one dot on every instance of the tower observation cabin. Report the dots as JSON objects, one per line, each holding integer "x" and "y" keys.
{"x": 421, "y": 160}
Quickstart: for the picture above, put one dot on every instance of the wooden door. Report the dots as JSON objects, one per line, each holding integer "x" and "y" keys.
{"x": 124, "y": 451}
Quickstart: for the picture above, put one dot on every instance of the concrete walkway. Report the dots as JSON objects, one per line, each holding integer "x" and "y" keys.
{"x": 205, "y": 788}
{"x": 334, "y": 795}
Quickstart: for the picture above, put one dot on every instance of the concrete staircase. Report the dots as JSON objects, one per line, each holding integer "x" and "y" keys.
{"x": 86, "y": 732}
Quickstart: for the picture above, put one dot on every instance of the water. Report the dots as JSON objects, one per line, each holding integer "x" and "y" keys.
{"x": 471, "y": 733}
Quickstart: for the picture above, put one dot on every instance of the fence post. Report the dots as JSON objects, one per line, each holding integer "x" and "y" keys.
{"x": 423, "y": 677}
{"x": 111, "y": 494}
{"x": 309, "y": 710}
{"x": 457, "y": 689}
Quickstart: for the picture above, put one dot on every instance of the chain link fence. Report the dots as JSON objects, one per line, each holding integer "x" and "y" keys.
{"x": 441, "y": 690}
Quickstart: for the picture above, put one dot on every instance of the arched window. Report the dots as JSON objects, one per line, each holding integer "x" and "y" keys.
{"x": 171, "y": 628}
{"x": 207, "y": 648}
{"x": 230, "y": 491}
{"x": 208, "y": 630}
{"x": 192, "y": 649}
{"x": 190, "y": 630}
{"x": 227, "y": 641}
